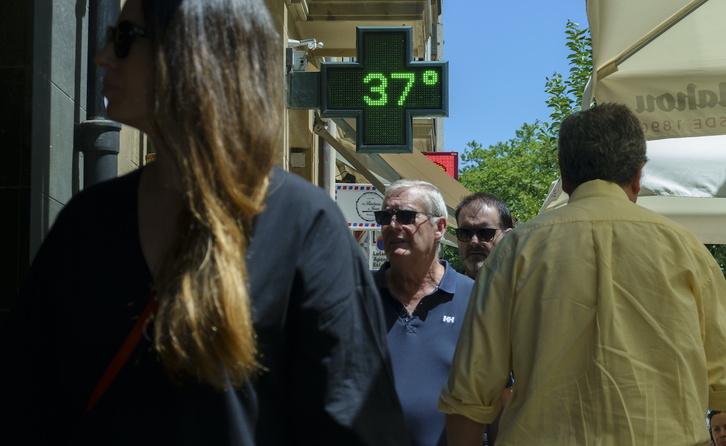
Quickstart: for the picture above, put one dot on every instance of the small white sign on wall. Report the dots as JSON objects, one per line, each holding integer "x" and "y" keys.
{"x": 371, "y": 243}
{"x": 358, "y": 202}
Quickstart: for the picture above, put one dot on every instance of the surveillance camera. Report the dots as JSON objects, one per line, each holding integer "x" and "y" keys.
{"x": 310, "y": 43}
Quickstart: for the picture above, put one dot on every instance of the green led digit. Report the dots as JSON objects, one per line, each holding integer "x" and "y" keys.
{"x": 430, "y": 77}
{"x": 380, "y": 89}
{"x": 411, "y": 77}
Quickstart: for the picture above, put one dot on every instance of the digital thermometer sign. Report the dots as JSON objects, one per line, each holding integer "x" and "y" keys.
{"x": 384, "y": 89}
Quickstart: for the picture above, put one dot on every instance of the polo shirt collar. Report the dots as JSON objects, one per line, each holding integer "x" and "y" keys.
{"x": 448, "y": 281}
{"x": 447, "y": 284}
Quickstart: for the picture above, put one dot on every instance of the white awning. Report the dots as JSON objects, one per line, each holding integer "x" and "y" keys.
{"x": 685, "y": 180}
{"x": 665, "y": 60}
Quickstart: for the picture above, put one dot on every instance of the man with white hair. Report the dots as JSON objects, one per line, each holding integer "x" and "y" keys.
{"x": 424, "y": 301}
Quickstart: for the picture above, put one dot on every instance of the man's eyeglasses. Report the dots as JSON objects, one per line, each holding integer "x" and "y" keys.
{"x": 483, "y": 234}
{"x": 123, "y": 35}
{"x": 402, "y": 217}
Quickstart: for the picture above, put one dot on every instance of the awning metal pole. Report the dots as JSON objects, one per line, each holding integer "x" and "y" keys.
{"x": 320, "y": 129}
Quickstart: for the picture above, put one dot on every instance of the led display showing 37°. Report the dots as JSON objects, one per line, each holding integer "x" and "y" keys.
{"x": 384, "y": 89}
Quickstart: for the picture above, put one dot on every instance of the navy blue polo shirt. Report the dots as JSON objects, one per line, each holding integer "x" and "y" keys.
{"x": 422, "y": 346}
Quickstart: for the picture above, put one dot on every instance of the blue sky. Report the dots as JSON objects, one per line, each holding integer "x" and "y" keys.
{"x": 499, "y": 54}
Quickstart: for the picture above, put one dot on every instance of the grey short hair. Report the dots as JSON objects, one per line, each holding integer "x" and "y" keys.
{"x": 603, "y": 143}
{"x": 431, "y": 197}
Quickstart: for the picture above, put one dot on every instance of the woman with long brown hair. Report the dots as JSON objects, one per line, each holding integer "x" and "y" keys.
{"x": 208, "y": 298}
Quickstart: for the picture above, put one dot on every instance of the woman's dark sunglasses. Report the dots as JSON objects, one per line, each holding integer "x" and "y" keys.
{"x": 483, "y": 234}
{"x": 123, "y": 35}
{"x": 402, "y": 217}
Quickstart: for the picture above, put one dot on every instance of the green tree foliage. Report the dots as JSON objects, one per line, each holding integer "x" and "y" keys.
{"x": 719, "y": 253}
{"x": 521, "y": 170}
{"x": 565, "y": 93}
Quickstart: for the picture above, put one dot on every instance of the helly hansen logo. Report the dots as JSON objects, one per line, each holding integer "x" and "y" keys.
{"x": 449, "y": 319}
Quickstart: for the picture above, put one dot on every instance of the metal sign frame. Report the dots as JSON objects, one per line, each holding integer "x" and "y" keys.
{"x": 384, "y": 73}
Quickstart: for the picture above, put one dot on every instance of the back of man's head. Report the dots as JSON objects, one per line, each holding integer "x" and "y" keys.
{"x": 605, "y": 142}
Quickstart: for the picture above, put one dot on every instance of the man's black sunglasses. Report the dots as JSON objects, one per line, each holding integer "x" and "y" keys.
{"x": 402, "y": 217}
{"x": 123, "y": 35}
{"x": 484, "y": 234}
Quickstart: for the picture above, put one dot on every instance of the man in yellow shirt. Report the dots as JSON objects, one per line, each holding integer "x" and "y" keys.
{"x": 612, "y": 317}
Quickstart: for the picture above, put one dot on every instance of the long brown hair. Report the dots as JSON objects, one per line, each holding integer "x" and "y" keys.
{"x": 217, "y": 110}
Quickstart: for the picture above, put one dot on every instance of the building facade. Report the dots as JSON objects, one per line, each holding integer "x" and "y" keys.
{"x": 46, "y": 112}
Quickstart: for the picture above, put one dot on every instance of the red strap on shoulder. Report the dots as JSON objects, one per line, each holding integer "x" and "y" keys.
{"x": 123, "y": 354}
